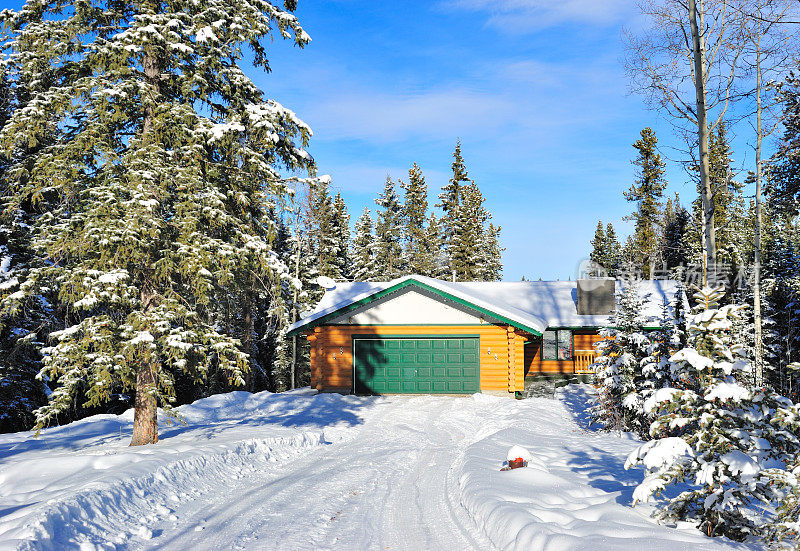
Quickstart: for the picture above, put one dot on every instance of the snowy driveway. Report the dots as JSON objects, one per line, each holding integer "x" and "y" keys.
{"x": 297, "y": 471}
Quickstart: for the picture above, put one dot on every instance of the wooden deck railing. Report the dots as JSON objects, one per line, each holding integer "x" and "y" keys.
{"x": 583, "y": 361}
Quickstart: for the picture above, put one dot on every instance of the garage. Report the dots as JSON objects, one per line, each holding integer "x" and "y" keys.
{"x": 439, "y": 365}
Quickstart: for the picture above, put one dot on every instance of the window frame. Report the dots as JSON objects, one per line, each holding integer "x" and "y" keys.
{"x": 558, "y": 341}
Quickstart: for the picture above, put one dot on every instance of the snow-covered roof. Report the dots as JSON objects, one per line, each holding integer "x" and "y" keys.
{"x": 530, "y": 305}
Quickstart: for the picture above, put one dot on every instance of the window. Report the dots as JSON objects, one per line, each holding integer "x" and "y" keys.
{"x": 557, "y": 345}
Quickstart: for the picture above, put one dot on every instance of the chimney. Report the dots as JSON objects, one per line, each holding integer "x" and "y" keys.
{"x": 596, "y": 297}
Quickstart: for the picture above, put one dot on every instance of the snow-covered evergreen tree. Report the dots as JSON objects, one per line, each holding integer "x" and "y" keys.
{"x": 598, "y": 254}
{"x": 656, "y": 367}
{"x": 161, "y": 181}
{"x": 341, "y": 234}
{"x": 467, "y": 251}
{"x": 363, "y": 253}
{"x": 783, "y": 186}
{"x": 435, "y": 240}
{"x": 323, "y": 233}
{"x": 714, "y": 436}
{"x": 647, "y": 192}
{"x": 491, "y": 254}
{"x": 417, "y": 253}
{"x": 674, "y": 248}
{"x": 23, "y": 325}
{"x": 450, "y": 200}
{"x": 619, "y": 366}
{"x": 388, "y": 234}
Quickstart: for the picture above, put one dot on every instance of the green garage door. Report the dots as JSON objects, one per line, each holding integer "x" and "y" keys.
{"x": 416, "y": 366}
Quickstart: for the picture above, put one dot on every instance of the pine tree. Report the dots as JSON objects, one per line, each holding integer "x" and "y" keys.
{"x": 783, "y": 186}
{"x": 618, "y": 366}
{"x": 491, "y": 259}
{"x": 363, "y": 253}
{"x": 674, "y": 248}
{"x": 341, "y": 235}
{"x": 465, "y": 251}
{"x": 605, "y": 248}
{"x": 781, "y": 296}
{"x": 450, "y": 200}
{"x": 647, "y": 192}
{"x": 388, "y": 234}
{"x": 323, "y": 233}
{"x": 599, "y": 254}
{"x": 713, "y": 435}
{"x": 162, "y": 179}
{"x": 613, "y": 250}
{"x": 21, "y": 329}
{"x": 656, "y": 366}
{"x": 417, "y": 254}
{"x": 435, "y": 240}
{"x": 729, "y": 216}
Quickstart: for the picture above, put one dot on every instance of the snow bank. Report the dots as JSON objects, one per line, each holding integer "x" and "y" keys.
{"x": 77, "y": 483}
{"x": 574, "y": 494}
{"x": 129, "y": 508}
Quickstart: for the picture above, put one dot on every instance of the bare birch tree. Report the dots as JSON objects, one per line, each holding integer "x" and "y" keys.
{"x": 685, "y": 65}
{"x": 771, "y": 48}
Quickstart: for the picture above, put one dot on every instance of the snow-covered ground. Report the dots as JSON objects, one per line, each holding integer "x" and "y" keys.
{"x": 304, "y": 471}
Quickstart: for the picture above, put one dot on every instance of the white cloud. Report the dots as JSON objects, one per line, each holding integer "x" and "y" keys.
{"x": 518, "y": 100}
{"x": 437, "y": 114}
{"x": 367, "y": 179}
{"x": 520, "y": 16}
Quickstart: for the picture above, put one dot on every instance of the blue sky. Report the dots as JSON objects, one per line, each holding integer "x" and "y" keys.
{"x": 535, "y": 90}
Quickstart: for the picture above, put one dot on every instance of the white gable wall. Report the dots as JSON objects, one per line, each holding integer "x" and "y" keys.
{"x": 408, "y": 308}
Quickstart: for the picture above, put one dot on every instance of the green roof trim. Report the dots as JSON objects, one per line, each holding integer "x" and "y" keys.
{"x": 408, "y": 283}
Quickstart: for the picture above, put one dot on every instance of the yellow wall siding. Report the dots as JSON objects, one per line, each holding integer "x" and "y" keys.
{"x": 520, "y": 364}
{"x": 333, "y": 361}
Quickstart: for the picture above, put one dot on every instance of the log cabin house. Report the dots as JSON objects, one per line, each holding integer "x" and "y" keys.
{"x": 419, "y": 335}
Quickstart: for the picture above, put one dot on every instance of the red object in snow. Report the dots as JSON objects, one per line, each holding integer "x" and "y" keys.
{"x": 515, "y": 464}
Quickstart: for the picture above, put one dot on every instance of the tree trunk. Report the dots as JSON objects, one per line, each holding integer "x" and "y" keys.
{"x": 758, "y": 352}
{"x": 145, "y": 417}
{"x": 293, "y": 370}
{"x": 706, "y": 198}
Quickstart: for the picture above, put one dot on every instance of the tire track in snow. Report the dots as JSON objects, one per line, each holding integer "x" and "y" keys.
{"x": 120, "y": 515}
{"x": 389, "y": 485}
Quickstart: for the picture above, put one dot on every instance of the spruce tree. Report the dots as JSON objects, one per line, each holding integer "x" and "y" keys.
{"x": 388, "y": 234}
{"x": 435, "y": 241}
{"x": 417, "y": 254}
{"x": 783, "y": 186}
{"x": 161, "y": 180}
{"x": 599, "y": 254}
{"x": 618, "y": 366}
{"x": 613, "y": 250}
{"x": 674, "y": 248}
{"x": 450, "y": 201}
{"x": 341, "y": 235}
{"x": 491, "y": 257}
{"x": 323, "y": 233}
{"x": 466, "y": 249}
{"x": 729, "y": 216}
{"x": 714, "y": 436}
{"x": 647, "y": 192}
{"x": 363, "y": 253}
{"x": 22, "y": 329}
